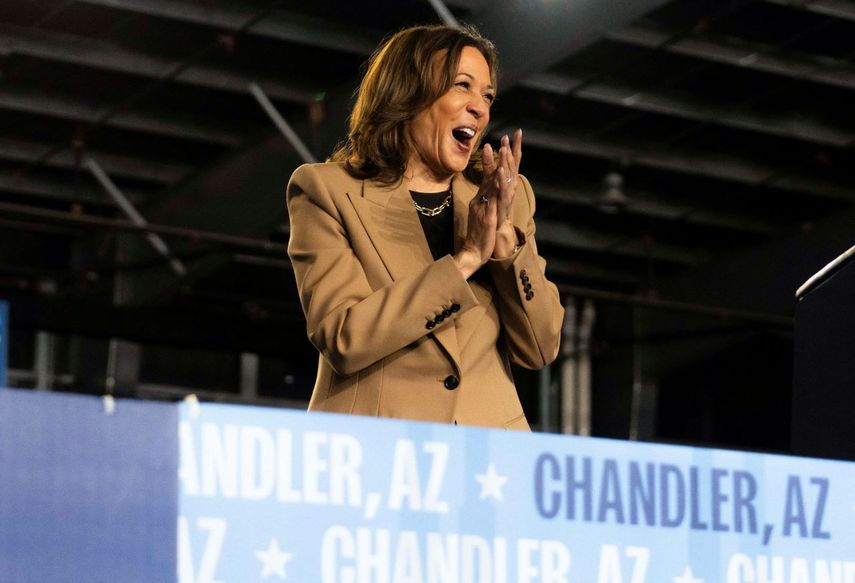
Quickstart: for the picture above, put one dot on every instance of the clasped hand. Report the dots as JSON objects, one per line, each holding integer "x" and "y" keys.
{"x": 490, "y": 232}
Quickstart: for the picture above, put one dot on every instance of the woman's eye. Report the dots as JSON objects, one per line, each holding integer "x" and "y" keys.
{"x": 490, "y": 98}
{"x": 464, "y": 84}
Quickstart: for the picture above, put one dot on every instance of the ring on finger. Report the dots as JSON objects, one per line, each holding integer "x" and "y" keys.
{"x": 508, "y": 181}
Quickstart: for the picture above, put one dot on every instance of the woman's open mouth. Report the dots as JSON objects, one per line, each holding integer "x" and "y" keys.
{"x": 464, "y": 135}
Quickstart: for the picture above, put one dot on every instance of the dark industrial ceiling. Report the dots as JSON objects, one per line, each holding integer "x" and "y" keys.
{"x": 729, "y": 122}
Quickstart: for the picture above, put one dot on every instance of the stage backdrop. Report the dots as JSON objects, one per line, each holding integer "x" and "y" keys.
{"x": 88, "y": 492}
{"x": 272, "y": 495}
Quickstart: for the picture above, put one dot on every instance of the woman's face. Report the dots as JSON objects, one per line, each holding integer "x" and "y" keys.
{"x": 443, "y": 136}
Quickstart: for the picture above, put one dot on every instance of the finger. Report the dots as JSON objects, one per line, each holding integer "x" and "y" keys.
{"x": 513, "y": 164}
{"x": 499, "y": 184}
{"x": 488, "y": 159}
{"x": 509, "y": 157}
{"x": 517, "y": 150}
{"x": 499, "y": 181}
{"x": 507, "y": 191}
{"x": 505, "y": 161}
{"x": 503, "y": 188}
{"x": 506, "y": 194}
{"x": 492, "y": 214}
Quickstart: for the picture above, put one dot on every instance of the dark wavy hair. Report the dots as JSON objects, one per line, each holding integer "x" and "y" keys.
{"x": 405, "y": 75}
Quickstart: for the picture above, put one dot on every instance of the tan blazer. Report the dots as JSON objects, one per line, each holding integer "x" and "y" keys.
{"x": 399, "y": 334}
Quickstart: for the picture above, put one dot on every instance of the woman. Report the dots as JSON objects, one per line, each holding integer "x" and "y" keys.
{"x": 414, "y": 253}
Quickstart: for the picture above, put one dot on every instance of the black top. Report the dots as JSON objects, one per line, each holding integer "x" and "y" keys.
{"x": 439, "y": 230}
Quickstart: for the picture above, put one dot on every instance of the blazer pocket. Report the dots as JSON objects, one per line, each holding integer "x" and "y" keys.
{"x": 369, "y": 386}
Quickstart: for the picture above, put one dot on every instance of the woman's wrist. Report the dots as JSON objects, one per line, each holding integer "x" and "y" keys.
{"x": 506, "y": 243}
{"x": 468, "y": 262}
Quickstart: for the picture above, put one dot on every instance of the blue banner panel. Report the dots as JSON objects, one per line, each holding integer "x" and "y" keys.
{"x": 4, "y": 341}
{"x": 87, "y": 494}
{"x": 271, "y": 495}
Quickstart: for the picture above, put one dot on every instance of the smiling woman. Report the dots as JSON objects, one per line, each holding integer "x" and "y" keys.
{"x": 414, "y": 250}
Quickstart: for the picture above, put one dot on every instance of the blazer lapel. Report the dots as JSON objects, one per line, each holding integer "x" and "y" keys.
{"x": 462, "y": 191}
{"x": 396, "y": 233}
{"x": 393, "y": 227}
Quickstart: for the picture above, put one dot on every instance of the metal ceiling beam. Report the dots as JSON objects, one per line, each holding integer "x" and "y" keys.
{"x": 444, "y": 14}
{"x": 237, "y": 16}
{"x": 155, "y": 240}
{"x": 590, "y": 270}
{"x": 843, "y": 9}
{"x": 280, "y": 25}
{"x": 63, "y": 191}
{"x": 282, "y": 125}
{"x": 536, "y": 34}
{"x": 650, "y": 204}
{"x": 718, "y": 166}
{"x": 473, "y": 6}
{"x": 95, "y": 221}
{"x": 76, "y": 50}
{"x": 556, "y": 83}
{"x": 34, "y": 227}
{"x": 586, "y": 239}
{"x": 659, "y": 102}
{"x": 754, "y": 56}
{"x": 75, "y": 110}
{"x": 652, "y": 301}
{"x": 116, "y": 164}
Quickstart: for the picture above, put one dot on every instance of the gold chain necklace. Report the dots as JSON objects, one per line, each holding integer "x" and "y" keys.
{"x": 432, "y": 212}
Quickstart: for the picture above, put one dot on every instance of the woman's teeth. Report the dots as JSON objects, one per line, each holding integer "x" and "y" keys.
{"x": 463, "y": 134}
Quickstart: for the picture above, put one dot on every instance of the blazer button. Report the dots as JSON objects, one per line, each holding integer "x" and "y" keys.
{"x": 527, "y": 288}
{"x": 455, "y": 307}
{"x": 439, "y": 318}
{"x": 446, "y": 313}
{"x": 522, "y": 273}
{"x": 451, "y": 382}
{"x": 529, "y": 295}
{"x": 524, "y": 278}
{"x": 430, "y": 325}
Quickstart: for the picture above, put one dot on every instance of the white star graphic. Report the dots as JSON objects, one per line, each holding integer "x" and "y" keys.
{"x": 491, "y": 483}
{"x": 687, "y": 577}
{"x": 273, "y": 560}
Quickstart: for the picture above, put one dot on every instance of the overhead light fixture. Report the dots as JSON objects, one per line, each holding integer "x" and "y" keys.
{"x": 612, "y": 199}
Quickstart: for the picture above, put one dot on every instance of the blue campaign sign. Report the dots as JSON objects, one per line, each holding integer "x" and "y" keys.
{"x": 4, "y": 341}
{"x": 273, "y": 495}
{"x": 87, "y": 493}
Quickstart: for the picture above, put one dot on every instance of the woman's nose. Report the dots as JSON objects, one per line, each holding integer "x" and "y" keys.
{"x": 477, "y": 107}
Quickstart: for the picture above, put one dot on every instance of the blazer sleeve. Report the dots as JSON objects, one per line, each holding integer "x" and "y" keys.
{"x": 529, "y": 304}
{"x": 352, "y": 325}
